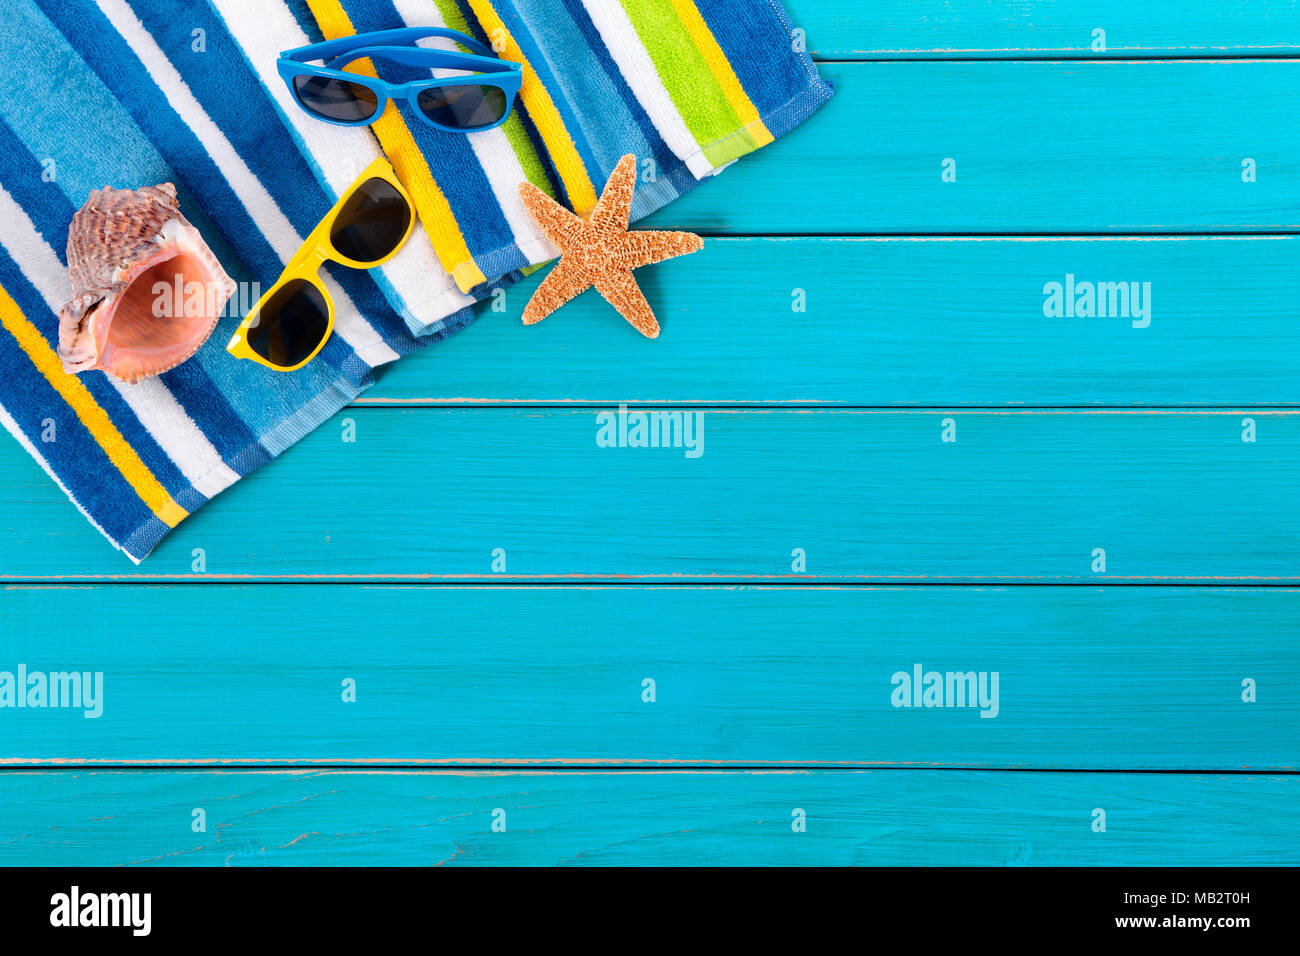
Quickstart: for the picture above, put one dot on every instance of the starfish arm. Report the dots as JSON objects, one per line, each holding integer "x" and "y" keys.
{"x": 560, "y": 226}
{"x": 563, "y": 283}
{"x": 650, "y": 246}
{"x": 613, "y": 209}
{"x": 622, "y": 292}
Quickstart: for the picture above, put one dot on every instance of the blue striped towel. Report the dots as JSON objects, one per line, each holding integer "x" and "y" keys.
{"x": 137, "y": 92}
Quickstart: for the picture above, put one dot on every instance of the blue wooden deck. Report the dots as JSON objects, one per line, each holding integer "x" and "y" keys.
{"x": 474, "y": 635}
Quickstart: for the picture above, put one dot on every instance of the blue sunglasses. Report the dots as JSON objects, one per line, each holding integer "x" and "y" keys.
{"x": 459, "y": 104}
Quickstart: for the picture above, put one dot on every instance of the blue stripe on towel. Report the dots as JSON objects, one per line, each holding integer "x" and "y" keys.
{"x": 145, "y": 538}
{"x": 770, "y": 81}
{"x": 302, "y": 13}
{"x": 235, "y": 442}
{"x": 46, "y": 205}
{"x": 546, "y": 74}
{"x": 122, "y": 156}
{"x": 783, "y": 85}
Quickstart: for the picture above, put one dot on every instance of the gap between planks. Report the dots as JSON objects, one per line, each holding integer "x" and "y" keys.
{"x": 596, "y": 582}
{"x": 537, "y": 767}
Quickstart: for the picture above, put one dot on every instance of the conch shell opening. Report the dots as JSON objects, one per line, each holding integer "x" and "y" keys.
{"x": 147, "y": 290}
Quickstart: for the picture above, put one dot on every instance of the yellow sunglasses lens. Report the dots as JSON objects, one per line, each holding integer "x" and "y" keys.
{"x": 290, "y": 325}
{"x": 372, "y": 223}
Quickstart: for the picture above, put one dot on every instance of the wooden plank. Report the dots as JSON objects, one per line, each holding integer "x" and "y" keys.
{"x": 1064, "y": 677}
{"x": 672, "y": 818}
{"x": 1050, "y": 147}
{"x": 452, "y": 493}
{"x": 952, "y": 321}
{"x": 901, "y": 29}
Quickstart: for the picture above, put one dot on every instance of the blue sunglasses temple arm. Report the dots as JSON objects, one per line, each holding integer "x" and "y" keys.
{"x": 426, "y": 57}
{"x": 406, "y": 35}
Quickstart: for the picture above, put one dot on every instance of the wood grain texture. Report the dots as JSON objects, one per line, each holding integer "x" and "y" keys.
{"x": 1052, "y": 137}
{"x": 667, "y": 818}
{"x": 1040, "y": 147}
{"x": 897, "y": 321}
{"x": 780, "y": 676}
{"x": 431, "y": 493}
{"x": 887, "y": 29}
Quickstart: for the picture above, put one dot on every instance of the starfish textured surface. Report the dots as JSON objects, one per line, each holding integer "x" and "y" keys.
{"x": 599, "y": 252}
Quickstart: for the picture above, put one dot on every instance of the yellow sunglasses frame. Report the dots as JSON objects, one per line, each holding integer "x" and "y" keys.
{"x": 306, "y": 263}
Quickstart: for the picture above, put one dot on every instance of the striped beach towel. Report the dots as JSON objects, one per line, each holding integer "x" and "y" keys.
{"x": 137, "y": 92}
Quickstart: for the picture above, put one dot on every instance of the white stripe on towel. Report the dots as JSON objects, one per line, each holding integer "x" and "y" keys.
{"x": 423, "y": 290}
{"x": 271, "y": 221}
{"x": 629, "y": 53}
{"x": 151, "y": 401}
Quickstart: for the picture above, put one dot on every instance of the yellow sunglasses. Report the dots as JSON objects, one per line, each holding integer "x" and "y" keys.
{"x": 292, "y": 322}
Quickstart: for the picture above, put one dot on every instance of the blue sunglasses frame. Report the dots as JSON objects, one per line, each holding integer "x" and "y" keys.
{"x": 398, "y": 46}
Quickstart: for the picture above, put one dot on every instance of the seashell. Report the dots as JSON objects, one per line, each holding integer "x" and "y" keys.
{"x": 147, "y": 290}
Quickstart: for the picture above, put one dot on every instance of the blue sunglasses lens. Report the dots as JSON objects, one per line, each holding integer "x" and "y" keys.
{"x": 466, "y": 107}
{"x": 335, "y": 99}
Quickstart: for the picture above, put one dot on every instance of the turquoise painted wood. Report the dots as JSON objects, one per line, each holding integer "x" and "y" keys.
{"x": 884, "y": 817}
{"x": 431, "y": 494}
{"x": 1141, "y": 143}
{"x": 1039, "y": 147}
{"x": 781, "y": 676}
{"x": 887, "y": 29}
{"x": 923, "y": 322}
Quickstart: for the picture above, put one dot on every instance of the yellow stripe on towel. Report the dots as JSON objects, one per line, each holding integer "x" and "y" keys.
{"x": 96, "y": 420}
{"x": 439, "y": 221}
{"x": 560, "y": 145}
{"x": 720, "y": 66}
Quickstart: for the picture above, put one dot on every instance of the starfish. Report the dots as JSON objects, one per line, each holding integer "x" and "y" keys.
{"x": 600, "y": 252}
